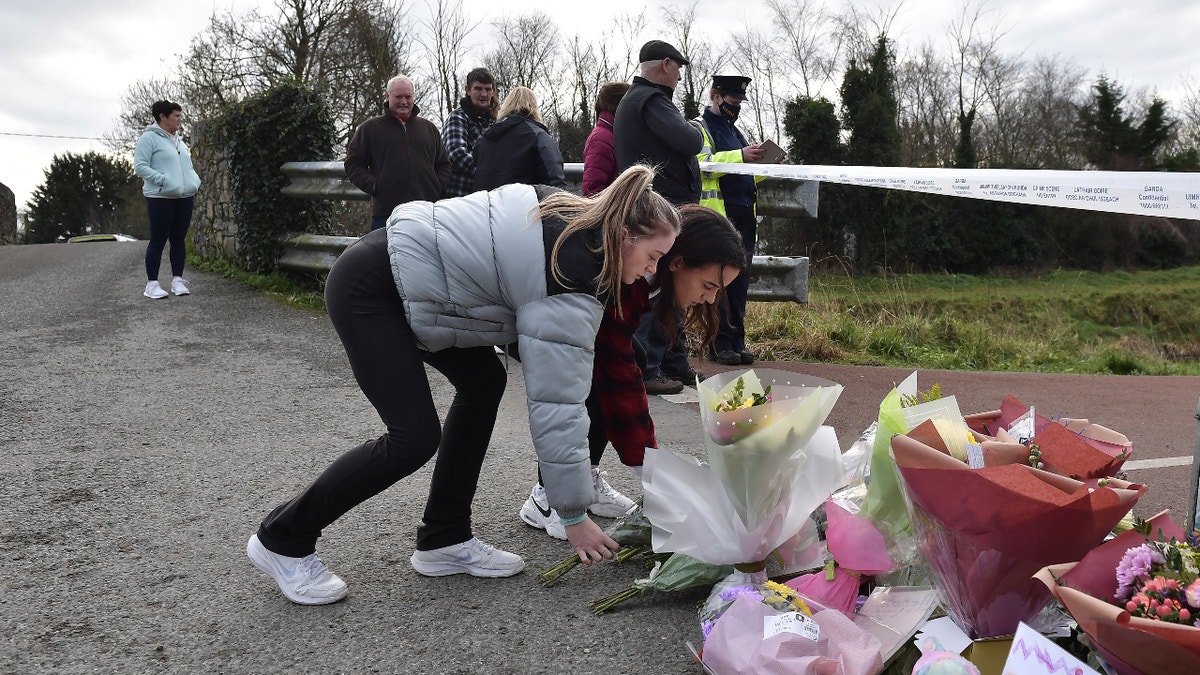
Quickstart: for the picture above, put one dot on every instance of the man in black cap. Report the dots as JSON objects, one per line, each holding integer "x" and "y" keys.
{"x": 733, "y": 195}
{"x": 649, "y": 129}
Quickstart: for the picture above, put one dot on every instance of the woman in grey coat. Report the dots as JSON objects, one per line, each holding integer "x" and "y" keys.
{"x": 442, "y": 285}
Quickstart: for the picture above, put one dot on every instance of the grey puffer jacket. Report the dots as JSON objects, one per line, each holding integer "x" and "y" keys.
{"x": 473, "y": 271}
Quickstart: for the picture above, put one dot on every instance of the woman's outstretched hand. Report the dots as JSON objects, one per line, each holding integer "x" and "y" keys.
{"x": 590, "y": 543}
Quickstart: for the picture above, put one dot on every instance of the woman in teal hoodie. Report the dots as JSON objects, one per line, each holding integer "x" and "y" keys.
{"x": 169, "y": 184}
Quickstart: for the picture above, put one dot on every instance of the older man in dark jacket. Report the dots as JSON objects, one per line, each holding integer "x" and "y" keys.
{"x": 397, "y": 157}
{"x": 649, "y": 129}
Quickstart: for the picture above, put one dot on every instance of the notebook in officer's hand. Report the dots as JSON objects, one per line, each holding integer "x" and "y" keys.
{"x": 772, "y": 153}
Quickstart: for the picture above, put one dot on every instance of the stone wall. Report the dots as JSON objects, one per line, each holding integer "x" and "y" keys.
{"x": 214, "y": 224}
{"x": 8, "y": 215}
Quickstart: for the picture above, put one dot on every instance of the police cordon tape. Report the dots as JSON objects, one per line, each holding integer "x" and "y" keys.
{"x": 1143, "y": 193}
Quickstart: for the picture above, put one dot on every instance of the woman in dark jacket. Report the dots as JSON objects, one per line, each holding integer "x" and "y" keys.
{"x": 517, "y": 148}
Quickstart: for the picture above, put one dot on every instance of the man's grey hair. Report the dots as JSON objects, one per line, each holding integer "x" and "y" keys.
{"x": 399, "y": 78}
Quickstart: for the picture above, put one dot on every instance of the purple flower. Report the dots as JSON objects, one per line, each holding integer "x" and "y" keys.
{"x": 1135, "y": 567}
{"x": 706, "y": 627}
{"x": 731, "y": 594}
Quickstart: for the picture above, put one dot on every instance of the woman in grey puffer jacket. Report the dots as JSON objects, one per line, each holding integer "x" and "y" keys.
{"x": 442, "y": 285}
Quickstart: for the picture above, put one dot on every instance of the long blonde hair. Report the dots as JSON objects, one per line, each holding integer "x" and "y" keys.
{"x": 627, "y": 207}
{"x": 520, "y": 100}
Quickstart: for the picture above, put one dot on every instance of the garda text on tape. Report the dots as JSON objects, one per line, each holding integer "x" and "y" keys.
{"x": 1145, "y": 193}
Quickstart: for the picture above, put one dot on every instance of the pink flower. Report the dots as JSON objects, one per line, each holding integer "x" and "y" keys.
{"x": 1193, "y": 594}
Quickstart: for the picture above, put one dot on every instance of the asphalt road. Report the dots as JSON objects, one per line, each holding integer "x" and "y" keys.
{"x": 143, "y": 440}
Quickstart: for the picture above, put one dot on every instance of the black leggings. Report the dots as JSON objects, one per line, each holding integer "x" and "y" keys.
{"x": 169, "y": 221}
{"x": 367, "y": 313}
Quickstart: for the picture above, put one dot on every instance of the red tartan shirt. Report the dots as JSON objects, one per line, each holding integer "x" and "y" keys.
{"x": 617, "y": 379}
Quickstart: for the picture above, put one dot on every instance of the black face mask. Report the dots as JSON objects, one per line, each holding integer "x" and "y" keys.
{"x": 730, "y": 109}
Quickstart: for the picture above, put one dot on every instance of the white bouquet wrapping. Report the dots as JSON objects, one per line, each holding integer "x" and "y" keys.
{"x": 770, "y": 464}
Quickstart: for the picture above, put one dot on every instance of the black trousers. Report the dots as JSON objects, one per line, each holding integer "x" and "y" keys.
{"x": 369, "y": 318}
{"x": 732, "y": 333}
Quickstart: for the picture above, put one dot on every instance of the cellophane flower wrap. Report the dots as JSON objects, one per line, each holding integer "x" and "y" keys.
{"x": 1072, "y": 447}
{"x": 857, "y": 549}
{"x": 1091, "y": 590}
{"x": 742, "y": 635}
{"x": 885, "y": 504}
{"x": 769, "y": 466}
{"x": 985, "y": 532}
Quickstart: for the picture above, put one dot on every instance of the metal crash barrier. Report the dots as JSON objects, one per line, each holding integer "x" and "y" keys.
{"x": 772, "y": 278}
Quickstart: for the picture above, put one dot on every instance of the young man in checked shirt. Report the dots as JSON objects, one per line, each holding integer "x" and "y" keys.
{"x": 464, "y": 126}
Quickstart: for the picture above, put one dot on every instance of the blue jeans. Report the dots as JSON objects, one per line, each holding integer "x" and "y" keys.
{"x": 669, "y": 360}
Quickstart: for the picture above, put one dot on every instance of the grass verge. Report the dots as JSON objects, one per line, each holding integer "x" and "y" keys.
{"x": 1064, "y": 322}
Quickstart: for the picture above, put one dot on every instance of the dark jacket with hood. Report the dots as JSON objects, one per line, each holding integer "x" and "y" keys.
{"x": 517, "y": 149}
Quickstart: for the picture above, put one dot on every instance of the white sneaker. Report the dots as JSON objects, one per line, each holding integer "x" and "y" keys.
{"x": 305, "y": 581}
{"x": 153, "y": 290}
{"x": 472, "y": 557}
{"x": 609, "y": 503}
{"x": 179, "y": 286}
{"x": 537, "y": 512}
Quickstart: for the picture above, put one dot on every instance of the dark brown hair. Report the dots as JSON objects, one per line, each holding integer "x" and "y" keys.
{"x": 610, "y": 95}
{"x": 705, "y": 237}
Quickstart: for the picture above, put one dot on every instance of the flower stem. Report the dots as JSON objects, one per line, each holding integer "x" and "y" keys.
{"x": 629, "y": 552}
{"x": 608, "y": 602}
{"x": 552, "y": 575}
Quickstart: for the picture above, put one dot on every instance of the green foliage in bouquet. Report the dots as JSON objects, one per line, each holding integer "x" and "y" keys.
{"x": 676, "y": 573}
{"x": 910, "y": 400}
{"x": 737, "y": 399}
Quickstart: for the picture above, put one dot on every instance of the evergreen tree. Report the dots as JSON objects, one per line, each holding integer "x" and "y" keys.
{"x": 873, "y": 235}
{"x": 1110, "y": 138}
{"x": 82, "y": 194}
{"x": 812, "y": 125}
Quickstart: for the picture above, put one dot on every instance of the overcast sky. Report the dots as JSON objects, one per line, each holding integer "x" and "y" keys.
{"x": 67, "y": 63}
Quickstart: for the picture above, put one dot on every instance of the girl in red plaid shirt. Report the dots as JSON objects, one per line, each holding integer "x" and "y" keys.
{"x": 706, "y": 256}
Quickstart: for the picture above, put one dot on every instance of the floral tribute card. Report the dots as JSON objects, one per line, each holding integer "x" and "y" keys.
{"x": 1034, "y": 654}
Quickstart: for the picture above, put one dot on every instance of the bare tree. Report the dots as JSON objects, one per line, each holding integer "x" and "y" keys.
{"x": 1188, "y": 112}
{"x": 135, "y": 112}
{"x": 631, "y": 30}
{"x": 344, "y": 49}
{"x": 857, "y": 32}
{"x": 925, "y": 97}
{"x": 980, "y": 73}
{"x": 812, "y": 48}
{"x": 525, "y": 52}
{"x": 754, "y": 57}
{"x": 705, "y": 61}
{"x": 370, "y": 46}
{"x": 1049, "y": 103}
{"x": 445, "y": 43}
